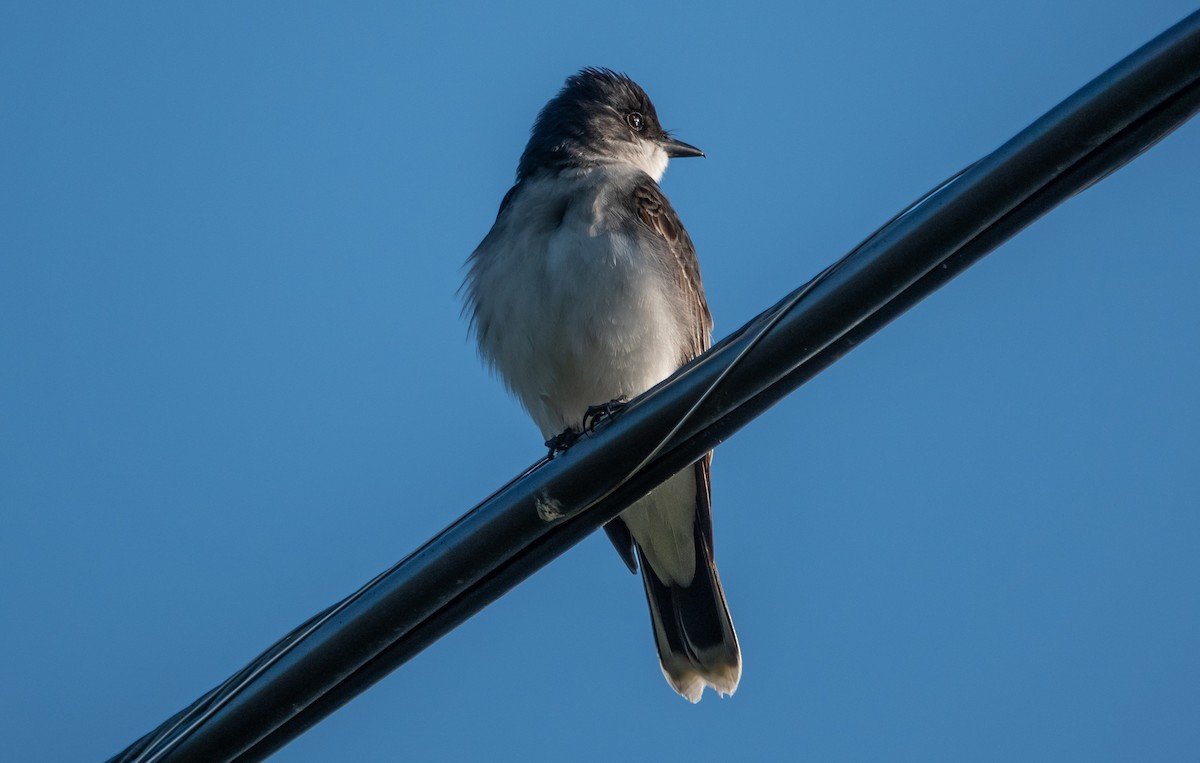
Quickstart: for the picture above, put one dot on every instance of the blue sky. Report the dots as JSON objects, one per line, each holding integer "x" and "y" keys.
{"x": 236, "y": 384}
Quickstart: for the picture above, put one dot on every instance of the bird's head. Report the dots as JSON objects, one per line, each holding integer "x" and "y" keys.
{"x": 600, "y": 117}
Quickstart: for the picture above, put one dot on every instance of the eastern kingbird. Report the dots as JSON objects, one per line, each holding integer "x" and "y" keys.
{"x": 587, "y": 290}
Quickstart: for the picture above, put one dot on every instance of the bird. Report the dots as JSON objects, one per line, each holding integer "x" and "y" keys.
{"x": 585, "y": 293}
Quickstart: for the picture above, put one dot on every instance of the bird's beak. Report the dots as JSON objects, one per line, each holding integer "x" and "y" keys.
{"x": 677, "y": 149}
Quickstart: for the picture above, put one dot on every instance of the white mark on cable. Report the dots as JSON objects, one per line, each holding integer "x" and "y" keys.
{"x": 548, "y": 509}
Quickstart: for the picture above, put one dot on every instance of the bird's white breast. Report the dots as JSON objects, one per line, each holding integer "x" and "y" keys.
{"x": 571, "y": 306}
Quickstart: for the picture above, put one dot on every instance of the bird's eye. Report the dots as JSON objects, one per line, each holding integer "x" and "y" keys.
{"x": 635, "y": 121}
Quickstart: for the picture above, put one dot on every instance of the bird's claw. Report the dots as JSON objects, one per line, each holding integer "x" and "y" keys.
{"x": 561, "y": 441}
{"x": 597, "y": 413}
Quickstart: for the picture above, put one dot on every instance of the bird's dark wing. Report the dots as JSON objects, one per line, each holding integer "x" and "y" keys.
{"x": 657, "y": 214}
{"x": 622, "y": 540}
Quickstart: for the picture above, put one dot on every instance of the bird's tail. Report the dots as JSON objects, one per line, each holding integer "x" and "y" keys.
{"x": 697, "y": 645}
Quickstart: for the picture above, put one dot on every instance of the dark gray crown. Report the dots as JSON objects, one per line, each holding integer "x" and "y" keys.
{"x": 581, "y": 124}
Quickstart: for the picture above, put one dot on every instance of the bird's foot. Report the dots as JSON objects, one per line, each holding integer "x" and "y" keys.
{"x": 561, "y": 441}
{"x": 597, "y": 413}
